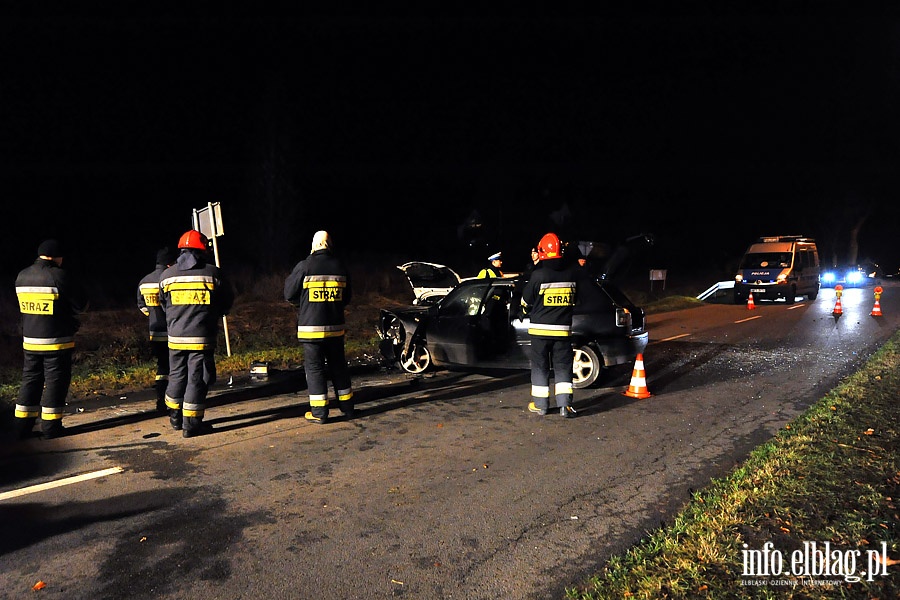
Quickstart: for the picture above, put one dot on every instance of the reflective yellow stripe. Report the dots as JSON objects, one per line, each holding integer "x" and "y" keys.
{"x": 548, "y": 332}
{"x": 563, "y": 387}
{"x": 200, "y": 346}
{"x": 318, "y": 332}
{"x": 48, "y": 344}
{"x": 540, "y": 391}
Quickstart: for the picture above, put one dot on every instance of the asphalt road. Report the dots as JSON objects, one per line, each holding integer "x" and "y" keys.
{"x": 445, "y": 486}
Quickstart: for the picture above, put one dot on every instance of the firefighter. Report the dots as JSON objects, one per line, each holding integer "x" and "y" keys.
{"x": 495, "y": 261}
{"x": 549, "y": 299}
{"x": 195, "y": 295}
{"x": 319, "y": 287}
{"x": 148, "y": 303}
{"x": 50, "y": 300}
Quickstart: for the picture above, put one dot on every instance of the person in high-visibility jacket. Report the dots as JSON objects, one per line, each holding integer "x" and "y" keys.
{"x": 195, "y": 295}
{"x": 319, "y": 287}
{"x": 495, "y": 262}
{"x": 549, "y": 300}
{"x": 148, "y": 303}
{"x": 50, "y": 300}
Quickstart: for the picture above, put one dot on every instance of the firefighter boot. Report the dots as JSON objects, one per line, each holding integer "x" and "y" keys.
{"x": 24, "y": 428}
{"x": 161, "y": 407}
{"x": 50, "y": 430}
{"x": 175, "y": 418}
{"x": 194, "y": 426}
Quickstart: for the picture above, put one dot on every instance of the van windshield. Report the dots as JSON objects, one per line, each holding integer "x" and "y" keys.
{"x": 766, "y": 260}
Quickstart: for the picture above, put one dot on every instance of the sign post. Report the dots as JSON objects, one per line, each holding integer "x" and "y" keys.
{"x": 208, "y": 221}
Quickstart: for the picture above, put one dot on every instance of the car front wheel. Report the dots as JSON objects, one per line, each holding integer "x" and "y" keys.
{"x": 417, "y": 359}
{"x": 586, "y": 367}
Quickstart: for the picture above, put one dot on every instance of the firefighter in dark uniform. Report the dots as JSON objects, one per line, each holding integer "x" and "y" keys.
{"x": 148, "y": 303}
{"x": 319, "y": 286}
{"x": 50, "y": 300}
{"x": 549, "y": 299}
{"x": 195, "y": 295}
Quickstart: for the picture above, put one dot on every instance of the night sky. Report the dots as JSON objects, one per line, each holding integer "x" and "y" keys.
{"x": 705, "y": 129}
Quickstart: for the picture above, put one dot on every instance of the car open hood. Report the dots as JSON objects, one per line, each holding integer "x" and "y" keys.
{"x": 429, "y": 280}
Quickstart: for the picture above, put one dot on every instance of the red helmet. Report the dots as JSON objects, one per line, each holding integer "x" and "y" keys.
{"x": 193, "y": 239}
{"x": 549, "y": 247}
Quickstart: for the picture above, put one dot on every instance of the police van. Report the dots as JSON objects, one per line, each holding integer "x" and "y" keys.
{"x": 783, "y": 266}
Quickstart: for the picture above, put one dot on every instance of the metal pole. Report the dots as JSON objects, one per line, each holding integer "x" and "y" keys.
{"x": 215, "y": 245}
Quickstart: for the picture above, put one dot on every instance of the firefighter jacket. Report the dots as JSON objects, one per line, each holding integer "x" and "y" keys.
{"x": 319, "y": 286}
{"x": 50, "y": 300}
{"x": 549, "y": 299}
{"x": 194, "y": 295}
{"x": 148, "y": 303}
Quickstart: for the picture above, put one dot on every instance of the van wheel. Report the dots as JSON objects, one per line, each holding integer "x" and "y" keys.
{"x": 792, "y": 295}
{"x": 813, "y": 295}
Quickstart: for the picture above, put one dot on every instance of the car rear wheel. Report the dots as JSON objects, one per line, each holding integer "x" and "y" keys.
{"x": 586, "y": 367}
{"x": 416, "y": 360}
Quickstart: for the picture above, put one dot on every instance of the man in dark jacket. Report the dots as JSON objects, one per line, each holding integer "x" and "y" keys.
{"x": 148, "y": 303}
{"x": 50, "y": 300}
{"x": 549, "y": 300}
{"x": 319, "y": 286}
{"x": 195, "y": 295}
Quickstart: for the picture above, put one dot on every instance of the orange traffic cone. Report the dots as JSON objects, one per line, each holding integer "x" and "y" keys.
{"x": 876, "y": 312}
{"x": 838, "y": 309}
{"x": 638, "y": 388}
{"x": 750, "y": 305}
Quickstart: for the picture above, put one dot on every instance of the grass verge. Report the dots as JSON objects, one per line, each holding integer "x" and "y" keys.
{"x": 831, "y": 476}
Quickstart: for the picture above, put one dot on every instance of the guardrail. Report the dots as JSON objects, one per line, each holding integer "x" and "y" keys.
{"x": 715, "y": 288}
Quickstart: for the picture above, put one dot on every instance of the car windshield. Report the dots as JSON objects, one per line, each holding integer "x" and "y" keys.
{"x": 766, "y": 260}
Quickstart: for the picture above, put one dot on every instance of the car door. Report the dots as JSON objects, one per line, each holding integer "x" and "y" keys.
{"x": 454, "y": 332}
{"x": 472, "y": 327}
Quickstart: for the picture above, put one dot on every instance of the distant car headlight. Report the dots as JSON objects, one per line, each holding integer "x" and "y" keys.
{"x": 854, "y": 277}
{"x": 829, "y": 277}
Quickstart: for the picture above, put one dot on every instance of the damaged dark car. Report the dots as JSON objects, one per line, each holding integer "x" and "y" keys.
{"x": 477, "y": 325}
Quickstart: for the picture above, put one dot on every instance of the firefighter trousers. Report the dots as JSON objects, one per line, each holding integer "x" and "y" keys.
{"x": 551, "y": 355}
{"x": 324, "y": 360}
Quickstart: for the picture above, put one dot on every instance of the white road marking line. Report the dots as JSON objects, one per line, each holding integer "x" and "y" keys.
{"x": 669, "y": 339}
{"x": 749, "y": 319}
{"x": 59, "y": 483}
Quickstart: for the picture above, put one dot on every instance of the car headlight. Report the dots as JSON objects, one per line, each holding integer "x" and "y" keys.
{"x": 854, "y": 277}
{"x": 828, "y": 277}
